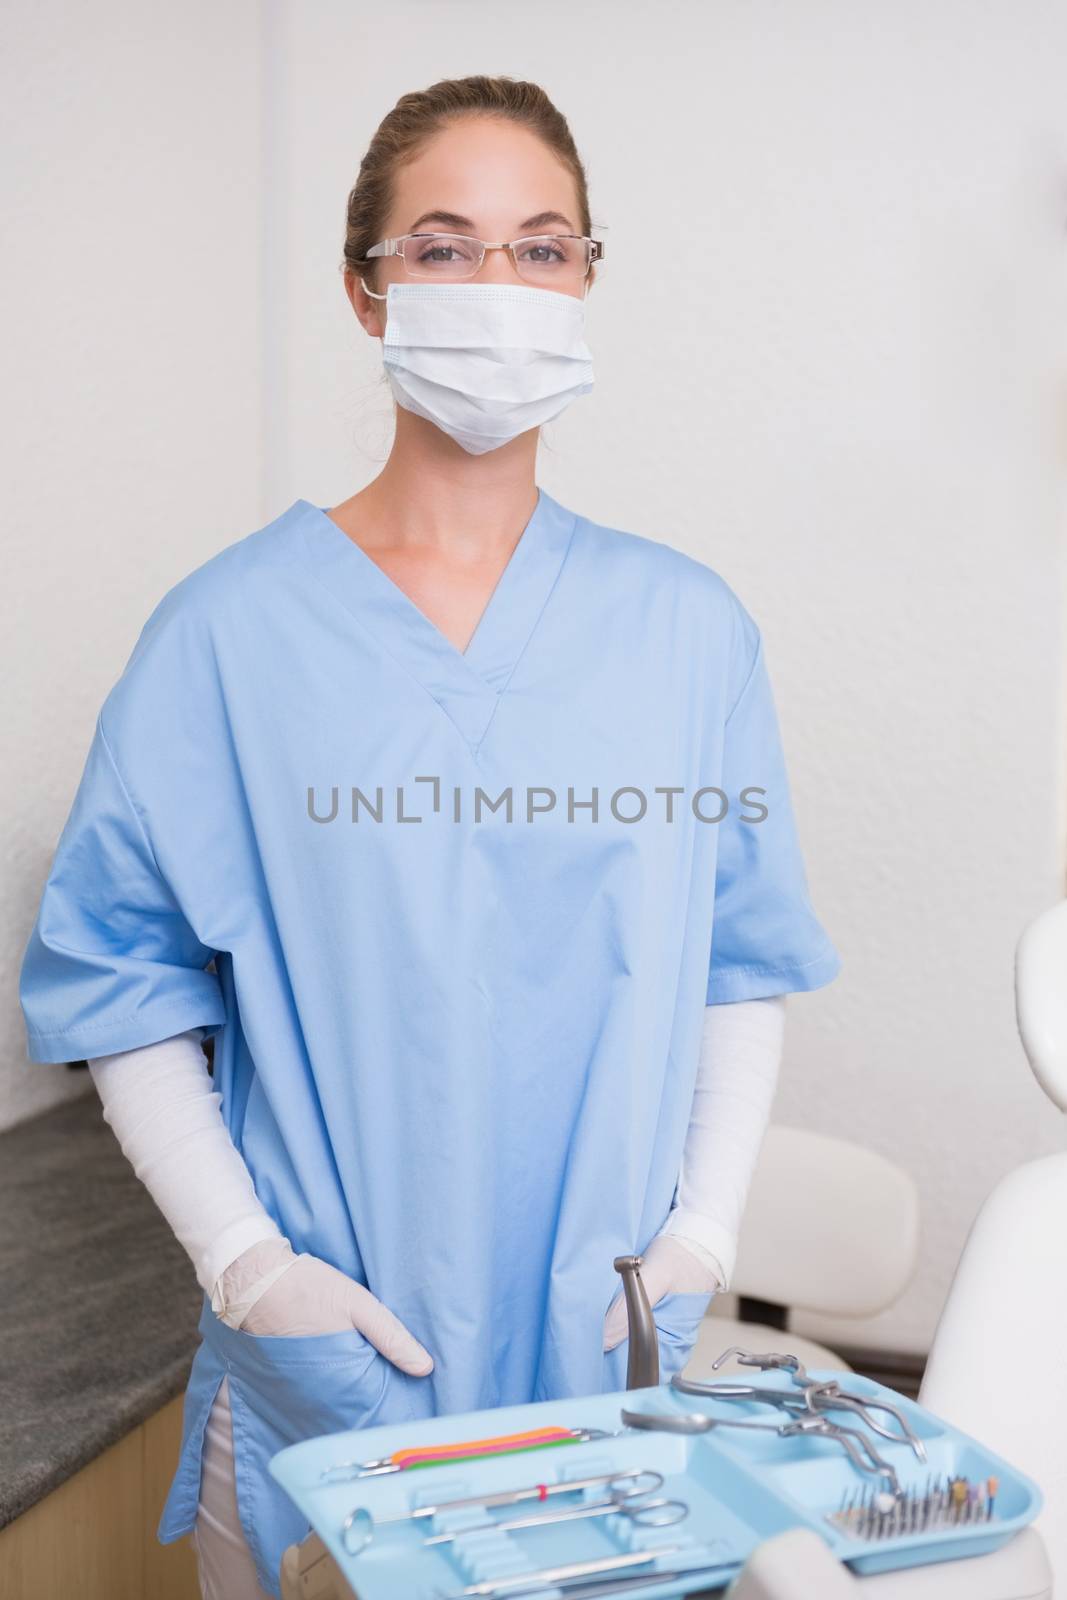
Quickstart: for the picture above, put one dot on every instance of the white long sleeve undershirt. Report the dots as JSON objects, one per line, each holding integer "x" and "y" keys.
{"x": 162, "y": 1105}
{"x": 160, "y": 1101}
{"x": 740, "y": 1054}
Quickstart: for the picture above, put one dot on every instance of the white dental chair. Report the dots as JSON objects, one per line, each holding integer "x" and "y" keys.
{"x": 997, "y": 1367}
{"x": 813, "y": 1207}
{"x": 998, "y": 1363}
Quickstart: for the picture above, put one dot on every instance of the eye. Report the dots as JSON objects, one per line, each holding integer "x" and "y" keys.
{"x": 437, "y": 252}
{"x": 544, "y": 252}
{"x": 443, "y": 249}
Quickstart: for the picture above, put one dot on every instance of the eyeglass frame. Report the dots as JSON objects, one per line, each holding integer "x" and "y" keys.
{"x": 393, "y": 247}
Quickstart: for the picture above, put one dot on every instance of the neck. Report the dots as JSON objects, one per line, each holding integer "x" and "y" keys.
{"x": 433, "y": 492}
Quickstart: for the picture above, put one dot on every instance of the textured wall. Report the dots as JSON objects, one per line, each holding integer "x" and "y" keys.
{"x": 830, "y": 347}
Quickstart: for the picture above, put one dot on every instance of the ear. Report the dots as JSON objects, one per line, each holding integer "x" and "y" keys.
{"x": 367, "y": 310}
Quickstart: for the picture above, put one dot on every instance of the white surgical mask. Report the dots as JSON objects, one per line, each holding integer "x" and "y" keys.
{"x": 485, "y": 361}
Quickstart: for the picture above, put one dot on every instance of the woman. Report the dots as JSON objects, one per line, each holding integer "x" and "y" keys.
{"x": 460, "y": 822}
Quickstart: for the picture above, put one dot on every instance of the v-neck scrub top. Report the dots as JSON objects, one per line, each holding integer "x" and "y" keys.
{"x": 453, "y": 919}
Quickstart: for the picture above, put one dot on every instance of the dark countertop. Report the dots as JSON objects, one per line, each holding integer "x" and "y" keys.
{"x": 98, "y": 1301}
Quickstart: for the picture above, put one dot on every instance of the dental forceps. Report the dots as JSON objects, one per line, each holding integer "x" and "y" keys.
{"x": 631, "y": 1502}
{"x": 816, "y": 1393}
{"x": 812, "y": 1401}
{"x": 852, "y": 1440}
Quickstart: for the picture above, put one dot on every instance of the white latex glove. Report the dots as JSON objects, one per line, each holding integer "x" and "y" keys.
{"x": 305, "y": 1295}
{"x": 668, "y": 1266}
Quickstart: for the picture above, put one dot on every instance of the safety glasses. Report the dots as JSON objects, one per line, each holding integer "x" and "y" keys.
{"x": 546, "y": 259}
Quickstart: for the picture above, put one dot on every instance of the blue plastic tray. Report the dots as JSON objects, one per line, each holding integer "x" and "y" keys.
{"x": 741, "y": 1486}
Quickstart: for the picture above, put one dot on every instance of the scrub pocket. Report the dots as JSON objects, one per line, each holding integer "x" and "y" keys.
{"x": 284, "y": 1390}
{"x": 677, "y": 1318}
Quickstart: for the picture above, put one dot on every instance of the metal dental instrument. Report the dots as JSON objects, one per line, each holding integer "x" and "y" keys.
{"x": 407, "y": 1460}
{"x": 642, "y": 1361}
{"x": 611, "y": 1587}
{"x": 648, "y": 1513}
{"x": 357, "y": 1530}
{"x": 820, "y": 1387}
{"x": 548, "y": 1577}
{"x": 815, "y": 1395}
{"x": 852, "y": 1440}
{"x": 763, "y": 1359}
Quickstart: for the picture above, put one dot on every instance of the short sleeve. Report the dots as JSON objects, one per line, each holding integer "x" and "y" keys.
{"x": 112, "y": 962}
{"x": 766, "y": 938}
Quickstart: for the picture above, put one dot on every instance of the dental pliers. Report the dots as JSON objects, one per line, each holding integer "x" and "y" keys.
{"x": 814, "y": 1394}
{"x": 853, "y": 1441}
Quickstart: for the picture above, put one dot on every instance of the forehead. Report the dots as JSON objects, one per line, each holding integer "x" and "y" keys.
{"x": 492, "y": 171}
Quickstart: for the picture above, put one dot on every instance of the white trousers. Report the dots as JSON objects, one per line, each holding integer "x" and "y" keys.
{"x": 226, "y": 1568}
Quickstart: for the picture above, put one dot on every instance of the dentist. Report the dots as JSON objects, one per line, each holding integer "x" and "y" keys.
{"x": 466, "y": 1048}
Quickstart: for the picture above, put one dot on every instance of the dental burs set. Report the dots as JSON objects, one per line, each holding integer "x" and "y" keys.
{"x": 946, "y": 1502}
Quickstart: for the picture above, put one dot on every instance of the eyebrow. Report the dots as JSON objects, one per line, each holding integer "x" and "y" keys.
{"x": 451, "y": 219}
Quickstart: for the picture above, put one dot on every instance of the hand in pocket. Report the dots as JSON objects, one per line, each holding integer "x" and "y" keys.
{"x": 308, "y": 1296}
{"x": 667, "y": 1267}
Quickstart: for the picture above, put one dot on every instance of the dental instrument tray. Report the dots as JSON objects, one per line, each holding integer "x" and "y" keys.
{"x": 615, "y": 1509}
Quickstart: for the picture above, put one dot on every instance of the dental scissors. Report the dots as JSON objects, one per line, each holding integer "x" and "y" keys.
{"x": 631, "y": 1502}
{"x": 357, "y": 1530}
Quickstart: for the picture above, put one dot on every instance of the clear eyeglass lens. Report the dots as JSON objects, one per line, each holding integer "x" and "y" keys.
{"x": 548, "y": 259}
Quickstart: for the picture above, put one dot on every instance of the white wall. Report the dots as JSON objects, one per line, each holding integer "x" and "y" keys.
{"x": 830, "y": 346}
{"x": 131, "y": 411}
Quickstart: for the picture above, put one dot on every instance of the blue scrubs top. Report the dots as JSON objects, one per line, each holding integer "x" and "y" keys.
{"x": 453, "y": 919}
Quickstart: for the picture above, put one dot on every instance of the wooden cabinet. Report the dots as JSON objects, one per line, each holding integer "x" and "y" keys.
{"x": 94, "y": 1538}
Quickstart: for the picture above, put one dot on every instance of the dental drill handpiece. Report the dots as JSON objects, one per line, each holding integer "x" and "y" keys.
{"x": 642, "y": 1364}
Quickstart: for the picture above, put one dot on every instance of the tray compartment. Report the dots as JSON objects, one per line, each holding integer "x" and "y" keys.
{"x": 811, "y": 1475}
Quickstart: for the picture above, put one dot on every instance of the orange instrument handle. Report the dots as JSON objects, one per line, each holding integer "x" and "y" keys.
{"x": 470, "y": 1449}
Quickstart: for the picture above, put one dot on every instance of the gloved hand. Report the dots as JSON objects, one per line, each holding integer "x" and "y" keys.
{"x": 304, "y": 1295}
{"x": 668, "y": 1266}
